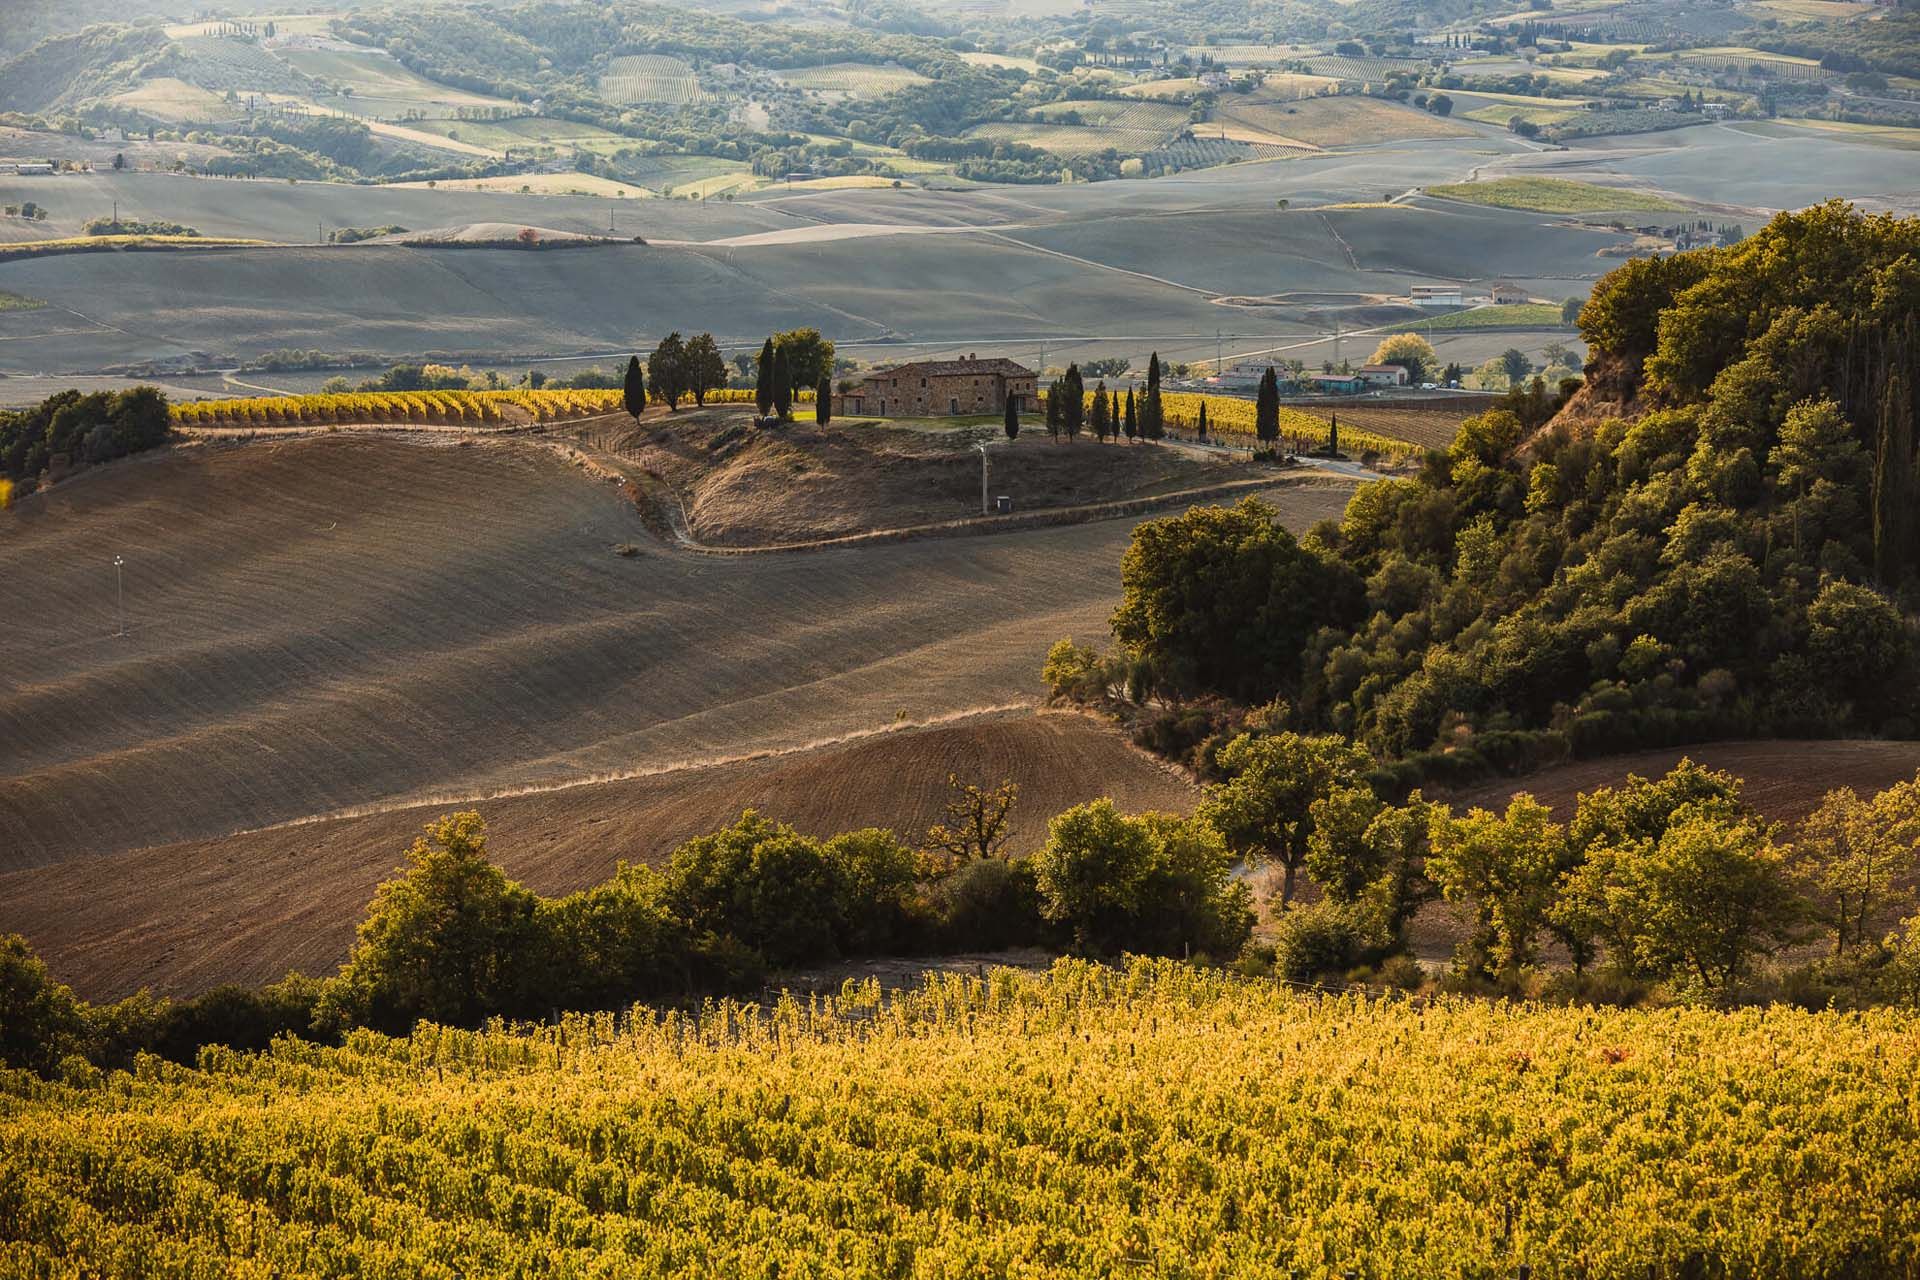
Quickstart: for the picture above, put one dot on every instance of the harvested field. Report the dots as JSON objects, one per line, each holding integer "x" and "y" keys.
{"x": 1337, "y": 121}
{"x": 250, "y": 907}
{"x": 1554, "y": 195}
{"x": 328, "y": 622}
{"x": 743, "y": 487}
{"x": 1785, "y": 780}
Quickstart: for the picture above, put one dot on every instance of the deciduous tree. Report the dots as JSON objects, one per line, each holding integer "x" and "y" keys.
{"x": 706, "y": 368}
{"x": 1264, "y": 811}
{"x": 668, "y": 370}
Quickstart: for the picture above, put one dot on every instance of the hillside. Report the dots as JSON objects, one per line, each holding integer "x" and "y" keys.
{"x": 328, "y": 622}
{"x": 248, "y": 908}
{"x": 1083, "y": 1122}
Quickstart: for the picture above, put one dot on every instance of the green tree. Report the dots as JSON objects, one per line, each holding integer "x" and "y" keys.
{"x": 1101, "y": 414}
{"x": 1505, "y": 868}
{"x": 1515, "y": 364}
{"x": 977, "y": 821}
{"x": 447, "y": 941}
{"x": 1153, "y": 414}
{"x": 1570, "y": 310}
{"x": 1223, "y": 599}
{"x": 1158, "y": 883}
{"x": 635, "y": 392}
{"x": 706, "y": 368}
{"x": 763, "y": 380}
{"x": 1850, "y": 853}
{"x": 1131, "y": 421}
{"x": 823, "y": 402}
{"x": 1265, "y": 809}
{"x": 782, "y": 385}
{"x": 1073, "y": 407}
{"x": 1055, "y": 398}
{"x": 40, "y": 1021}
{"x": 1201, "y": 427}
{"x": 667, "y": 370}
{"x": 809, "y": 356}
{"x": 1011, "y": 418}
{"x": 1266, "y": 409}
{"x": 760, "y": 882}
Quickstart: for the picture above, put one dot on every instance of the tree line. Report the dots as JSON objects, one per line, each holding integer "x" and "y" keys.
{"x": 453, "y": 940}
{"x": 1069, "y": 411}
{"x": 71, "y": 430}
{"x": 787, "y": 362}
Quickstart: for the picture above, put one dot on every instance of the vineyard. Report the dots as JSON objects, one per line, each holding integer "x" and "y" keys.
{"x": 440, "y": 408}
{"x": 1231, "y": 420}
{"x": 651, "y": 78}
{"x": 1156, "y": 1121}
{"x": 855, "y": 79}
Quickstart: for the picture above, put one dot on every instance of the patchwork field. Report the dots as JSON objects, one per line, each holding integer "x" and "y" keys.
{"x": 852, "y": 79}
{"x": 303, "y": 615}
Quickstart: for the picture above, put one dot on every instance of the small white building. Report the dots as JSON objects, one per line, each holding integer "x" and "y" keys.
{"x": 27, "y": 168}
{"x": 1436, "y": 295}
{"x": 1384, "y": 375}
{"x": 1245, "y": 375}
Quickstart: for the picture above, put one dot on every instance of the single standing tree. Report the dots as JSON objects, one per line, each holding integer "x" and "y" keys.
{"x": 1266, "y": 410}
{"x": 1333, "y": 435}
{"x": 1132, "y": 418}
{"x": 706, "y": 367}
{"x": 668, "y": 367}
{"x": 1102, "y": 413}
{"x": 1202, "y": 427}
{"x": 1073, "y": 406}
{"x": 763, "y": 380}
{"x": 809, "y": 356}
{"x": 977, "y": 825}
{"x": 1053, "y": 411}
{"x": 823, "y": 401}
{"x": 782, "y": 381}
{"x": 1411, "y": 352}
{"x": 636, "y": 387}
{"x": 1515, "y": 364}
{"x": 1265, "y": 808}
{"x": 1012, "y": 420}
{"x": 1153, "y": 413}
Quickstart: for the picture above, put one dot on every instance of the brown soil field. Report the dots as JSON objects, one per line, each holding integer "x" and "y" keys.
{"x": 741, "y": 487}
{"x": 334, "y": 622}
{"x": 250, "y": 907}
{"x": 1785, "y": 779}
{"x": 1432, "y": 423}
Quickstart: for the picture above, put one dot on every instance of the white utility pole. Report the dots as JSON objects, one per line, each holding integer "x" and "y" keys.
{"x": 983, "y": 478}
{"x": 120, "y": 591}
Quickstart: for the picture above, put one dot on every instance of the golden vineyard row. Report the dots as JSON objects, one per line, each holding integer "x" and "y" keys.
{"x": 435, "y": 407}
{"x": 1232, "y": 418}
{"x": 1152, "y": 1121}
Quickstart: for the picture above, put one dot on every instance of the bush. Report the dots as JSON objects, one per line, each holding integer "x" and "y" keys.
{"x": 990, "y": 904}
{"x": 1323, "y": 940}
{"x": 762, "y": 882}
{"x": 40, "y": 1021}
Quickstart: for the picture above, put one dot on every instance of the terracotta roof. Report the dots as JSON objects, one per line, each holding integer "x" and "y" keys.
{"x": 943, "y": 368}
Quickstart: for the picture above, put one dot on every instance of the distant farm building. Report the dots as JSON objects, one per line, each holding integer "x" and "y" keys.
{"x": 939, "y": 388}
{"x": 1247, "y": 376}
{"x": 1436, "y": 295}
{"x": 1384, "y": 375}
{"x": 1504, "y": 294}
{"x": 1343, "y": 384}
{"x": 27, "y": 168}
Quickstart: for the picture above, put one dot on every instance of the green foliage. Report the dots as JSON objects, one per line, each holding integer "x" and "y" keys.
{"x": 703, "y": 368}
{"x": 634, "y": 388}
{"x": 74, "y": 430}
{"x": 1504, "y": 868}
{"x": 40, "y": 1021}
{"x": 1224, "y": 598}
{"x": 667, "y": 370}
{"x": 1411, "y": 352}
{"x": 1266, "y": 809}
{"x": 1156, "y": 884}
{"x": 809, "y": 356}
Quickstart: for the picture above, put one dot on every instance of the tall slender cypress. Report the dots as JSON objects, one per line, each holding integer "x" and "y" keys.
{"x": 635, "y": 392}
{"x": 1133, "y": 419}
{"x": 781, "y": 385}
{"x": 1153, "y": 416}
{"x": 1266, "y": 410}
{"x": 1203, "y": 420}
{"x": 823, "y": 400}
{"x": 1011, "y": 422}
{"x": 763, "y": 380}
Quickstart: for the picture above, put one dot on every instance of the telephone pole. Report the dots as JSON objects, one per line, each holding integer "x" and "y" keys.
{"x": 120, "y": 591}
{"x": 982, "y": 447}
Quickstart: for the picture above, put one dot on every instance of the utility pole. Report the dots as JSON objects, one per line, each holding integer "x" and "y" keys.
{"x": 1219, "y": 360}
{"x": 982, "y": 447}
{"x": 120, "y": 591}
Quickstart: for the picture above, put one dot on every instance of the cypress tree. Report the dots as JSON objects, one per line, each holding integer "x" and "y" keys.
{"x": 636, "y": 387}
{"x": 1203, "y": 420}
{"x": 823, "y": 401}
{"x": 1073, "y": 406}
{"x": 1012, "y": 420}
{"x": 1102, "y": 422}
{"x": 1892, "y": 477}
{"x": 1133, "y": 420}
{"x": 781, "y": 383}
{"x": 763, "y": 380}
{"x": 1266, "y": 410}
{"x": 1153, "y": 416}
{"x": 1053, "y": 411}
{"x": 1333, "y": 435}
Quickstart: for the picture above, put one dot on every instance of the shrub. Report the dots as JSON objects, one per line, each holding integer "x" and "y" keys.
{"x": 40, "y": 1021}
{"x": 762, "y": 882}
{"x": 990, "y": 904}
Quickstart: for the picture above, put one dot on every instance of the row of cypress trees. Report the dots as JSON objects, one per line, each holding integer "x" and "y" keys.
{"x": 1108, "y": 416}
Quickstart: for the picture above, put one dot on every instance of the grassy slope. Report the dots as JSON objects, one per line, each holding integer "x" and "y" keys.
{"x": 1554, "y": 195}
{"x": 1526, "y": 315}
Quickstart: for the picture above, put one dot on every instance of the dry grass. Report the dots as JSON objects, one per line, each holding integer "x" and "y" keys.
{"x": 248, "y": 908}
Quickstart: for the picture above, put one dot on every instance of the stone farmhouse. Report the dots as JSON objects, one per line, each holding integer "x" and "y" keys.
{"x": 939, "y": 388}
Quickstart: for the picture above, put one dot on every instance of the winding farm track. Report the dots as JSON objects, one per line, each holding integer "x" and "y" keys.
{"x": 360, "y": 623}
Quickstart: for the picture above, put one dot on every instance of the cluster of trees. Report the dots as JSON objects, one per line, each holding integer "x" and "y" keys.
{"x": 787, "y": 362}
{"x": 131, "y": 227}
{"x": 1107, "y": 414}
{"x": 678, "y": 367}
{"x": 1732, "y": 554}
{"x": 455, "y": 941}
{"x": 72, "y": 430}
